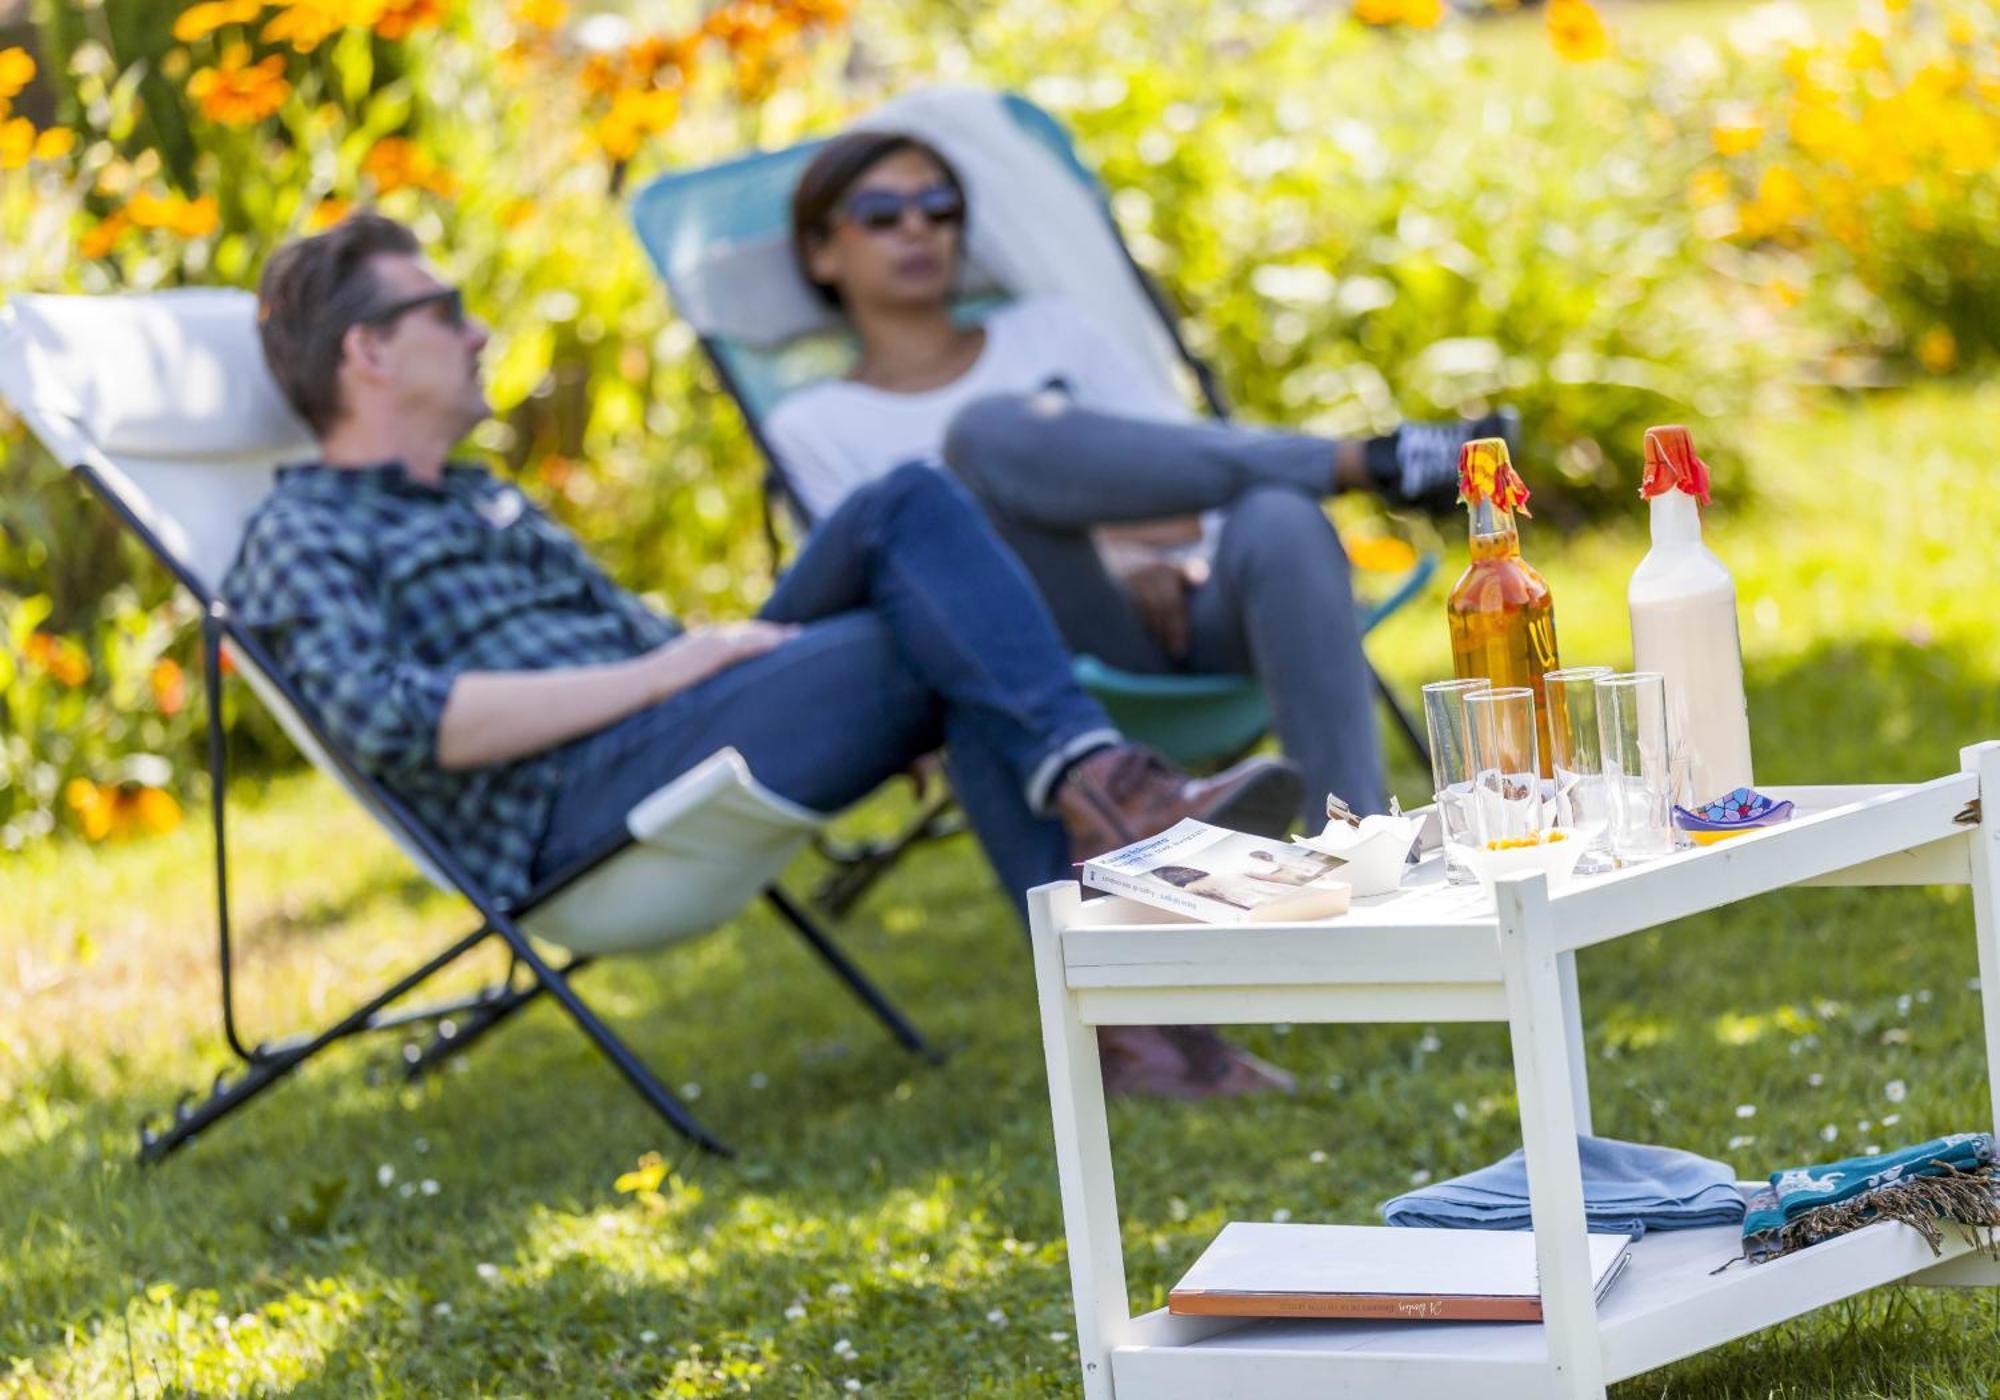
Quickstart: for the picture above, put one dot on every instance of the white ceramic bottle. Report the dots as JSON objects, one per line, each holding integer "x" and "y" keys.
{"x": 1683, "y": 605}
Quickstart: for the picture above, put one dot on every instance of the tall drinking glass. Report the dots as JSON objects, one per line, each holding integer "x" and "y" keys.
{"x": 1451, "y": 767}
{"x": 1638, "y": 770}
{"x": 1576, "y": 757}
{"x": 1506, "y": 764}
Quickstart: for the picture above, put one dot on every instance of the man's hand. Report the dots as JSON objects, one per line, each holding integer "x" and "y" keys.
{"x": 701, "y": 652}
{"x": 1159, "y": 589}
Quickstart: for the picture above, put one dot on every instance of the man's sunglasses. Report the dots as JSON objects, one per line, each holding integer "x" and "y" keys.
{"x": 450, "y": 302}
{"x": 878, "y": 211}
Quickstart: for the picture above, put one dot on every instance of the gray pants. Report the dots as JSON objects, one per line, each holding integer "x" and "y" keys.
{"x": 1278, "y": 603}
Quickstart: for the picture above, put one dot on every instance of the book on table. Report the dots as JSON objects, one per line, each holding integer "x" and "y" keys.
{"x": 1377, "y": 1272}
{"x": 1223, "y": 877}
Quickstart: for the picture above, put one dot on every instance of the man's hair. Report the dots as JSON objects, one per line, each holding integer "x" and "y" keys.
{"x": 312, "y": 291}
{"x": 832, "y": 173}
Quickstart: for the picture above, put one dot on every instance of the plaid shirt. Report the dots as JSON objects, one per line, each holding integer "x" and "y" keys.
{"x": 374, "y": 592}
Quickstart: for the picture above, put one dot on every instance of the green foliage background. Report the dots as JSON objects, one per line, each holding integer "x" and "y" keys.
{"x": 1363, "y": 225}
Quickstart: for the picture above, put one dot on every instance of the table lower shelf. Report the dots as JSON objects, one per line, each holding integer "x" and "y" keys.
{"x": 1668, "y": 1305}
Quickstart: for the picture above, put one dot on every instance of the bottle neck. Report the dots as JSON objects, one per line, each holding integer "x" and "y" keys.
{"x": 1676, "y": 519}
{"x": 1492, "y": 531}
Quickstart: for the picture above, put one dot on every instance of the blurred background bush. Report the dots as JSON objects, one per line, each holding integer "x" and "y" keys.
{"x": 1370, "y": 210}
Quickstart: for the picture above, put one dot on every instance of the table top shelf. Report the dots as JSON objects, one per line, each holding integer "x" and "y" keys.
{"x": 1431, "y": 933}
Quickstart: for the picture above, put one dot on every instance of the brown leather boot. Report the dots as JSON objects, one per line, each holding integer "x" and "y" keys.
{"x": 1182, "y": 1062}
{"x": 1125, "y": 793}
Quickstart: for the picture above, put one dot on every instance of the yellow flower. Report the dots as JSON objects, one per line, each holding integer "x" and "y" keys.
{"x": 1383, "y": 554}
{"x": 17, "y": 70}
{"x": 306, "y": 24}
{"x": 237, "y": 92}
{"x": 17, "y": 142}
{"x": 155, "y": 810}
{"x": 1736, "y": 134}
{"x": 635, "y": 114}
{"x": 1576, "y": 30}
{"x": 1707, "y": 186}
{"x": 541, "y": 14}
{"x": 1379, "y": 12}
{"x": 105, "y": 811}
{"x": 1937, "y": 350}
{"x": 200, "y": 21}
{"x": 1423, "y": 14}
{"x": 401, "y": 18}
{"x": 55, "y": 143}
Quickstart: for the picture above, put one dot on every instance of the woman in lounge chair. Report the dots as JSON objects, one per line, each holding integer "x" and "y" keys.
{"x": 1160, "y": 543}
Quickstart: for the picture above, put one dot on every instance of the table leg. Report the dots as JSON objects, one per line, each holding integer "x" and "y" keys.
{"x": 1083, "y": 1151}
{"x": 1579, "y": 1064}
{"x": 1541, "y": 1034}
{"x": 1984, "y": 759}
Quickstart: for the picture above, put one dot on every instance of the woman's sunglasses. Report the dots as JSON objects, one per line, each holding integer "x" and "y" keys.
{"x": 878, "y": 211}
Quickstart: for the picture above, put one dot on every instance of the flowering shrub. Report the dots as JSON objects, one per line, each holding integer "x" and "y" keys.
{"x": 1605, "y": 231}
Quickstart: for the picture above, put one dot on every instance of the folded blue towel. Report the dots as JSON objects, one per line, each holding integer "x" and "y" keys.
{"x": 1628, "y": 1189}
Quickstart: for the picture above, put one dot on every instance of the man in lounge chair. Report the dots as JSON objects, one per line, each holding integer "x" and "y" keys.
{"x": 465, "y": 650}
{"x": 1160, "y": 544}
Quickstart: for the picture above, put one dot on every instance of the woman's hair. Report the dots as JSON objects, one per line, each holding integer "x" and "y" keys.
{"x": 832, "y": 173}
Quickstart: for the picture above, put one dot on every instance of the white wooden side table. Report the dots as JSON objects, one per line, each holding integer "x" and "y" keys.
{"x": 1434, "y": 953}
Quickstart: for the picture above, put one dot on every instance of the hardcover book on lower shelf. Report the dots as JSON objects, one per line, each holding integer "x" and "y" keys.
{"x": 1377, "y": 1272}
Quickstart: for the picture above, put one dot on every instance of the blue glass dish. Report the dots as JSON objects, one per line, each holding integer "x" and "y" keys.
{"x": 1731, "y": 815}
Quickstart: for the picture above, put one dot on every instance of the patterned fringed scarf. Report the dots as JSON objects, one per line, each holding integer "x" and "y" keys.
{"x": 1950, "y": 1178}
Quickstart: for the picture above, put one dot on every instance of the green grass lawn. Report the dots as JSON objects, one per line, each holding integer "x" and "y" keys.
{"x": 896, "y": 1226}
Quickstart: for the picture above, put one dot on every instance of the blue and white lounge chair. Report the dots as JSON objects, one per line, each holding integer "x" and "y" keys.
{"x": 721, "y": 238}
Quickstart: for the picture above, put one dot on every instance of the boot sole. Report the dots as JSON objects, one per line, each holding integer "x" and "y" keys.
{"x": 1265, "y": 804}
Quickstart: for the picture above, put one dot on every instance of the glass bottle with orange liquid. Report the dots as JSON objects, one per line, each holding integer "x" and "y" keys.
{"x": 1502, "y": 615}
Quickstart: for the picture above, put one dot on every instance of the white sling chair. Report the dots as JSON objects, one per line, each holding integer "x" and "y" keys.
{"x": 162, "y": 404}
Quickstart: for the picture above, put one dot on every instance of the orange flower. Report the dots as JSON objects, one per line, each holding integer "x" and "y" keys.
{"x": 401, "y": 18}
{"x": 190, "y": 218}
{"x": 634, "y": 115}
{"x": 107, "y": 812}
{"x": 395, "y": 163}
{"x": 327, "y": 213}
{"x": 62, "y": 659}
{"x": 17, "y": 69}
{"x": 306, "y": 24}
{"x": 1576, "y": 30}
{"x": 237, "y": 92}
{"x": 1378, "y": 12}
{"x": 169, "y": 686}
{"x": 102, "y": 236}
{"x": 200, "y": 21}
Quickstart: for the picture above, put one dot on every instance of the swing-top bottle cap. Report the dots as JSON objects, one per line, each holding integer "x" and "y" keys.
{"x": 1486, "y": 473}
{"x": 1671, "y": 464}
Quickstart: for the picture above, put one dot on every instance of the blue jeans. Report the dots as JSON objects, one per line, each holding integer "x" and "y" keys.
{"x": 919, "y": 629}
{"x": 1278, "y": 603}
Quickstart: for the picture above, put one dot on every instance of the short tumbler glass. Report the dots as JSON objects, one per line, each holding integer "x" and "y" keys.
{"x": 1638, "y": 771}
{"x": 1451, "y": 767}
{"x": 1506, "y": 765}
